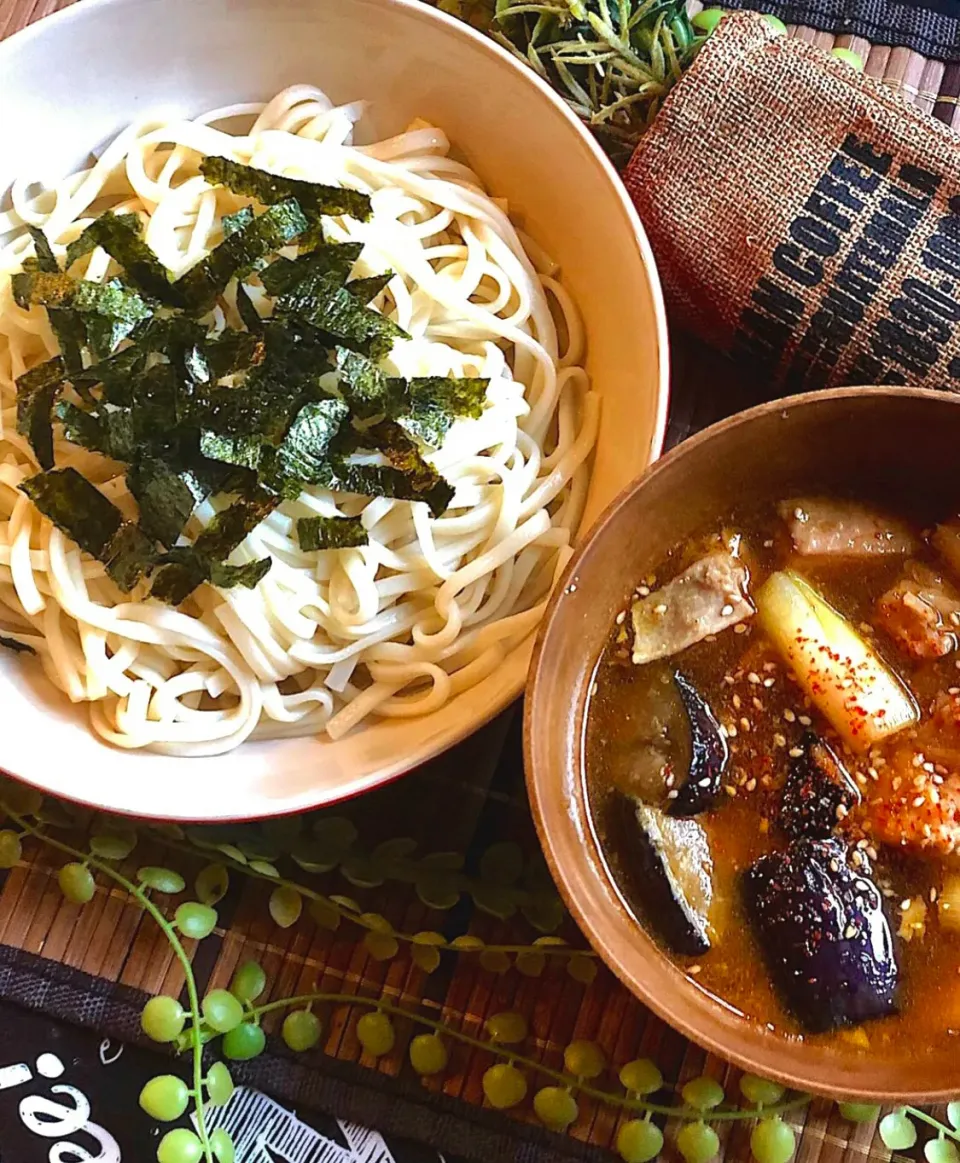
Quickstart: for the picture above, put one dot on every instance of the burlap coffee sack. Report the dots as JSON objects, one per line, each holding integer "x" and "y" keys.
{"x": 803, "y": 216}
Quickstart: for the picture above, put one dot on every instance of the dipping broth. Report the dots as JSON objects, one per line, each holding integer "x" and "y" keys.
{"x": 772, "y": 753}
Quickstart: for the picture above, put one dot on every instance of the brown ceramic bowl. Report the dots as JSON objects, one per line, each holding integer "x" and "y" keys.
{"x": 873, "y": 440}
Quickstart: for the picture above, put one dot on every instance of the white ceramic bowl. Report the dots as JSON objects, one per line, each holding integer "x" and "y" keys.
{"x": 70, "y": 82}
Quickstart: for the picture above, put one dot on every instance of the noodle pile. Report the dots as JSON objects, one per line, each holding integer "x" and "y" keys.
{"x": 431, "y": 605}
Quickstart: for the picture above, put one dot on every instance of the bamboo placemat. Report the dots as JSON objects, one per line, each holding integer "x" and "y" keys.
{"x": 94, "y": 965}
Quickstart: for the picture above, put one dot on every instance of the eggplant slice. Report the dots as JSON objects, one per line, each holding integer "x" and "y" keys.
{"x": 676, "y": 871}
{"x": 824, "y": 935}
{"x": 818, "y": 791}
{"x": 708, "y": 755}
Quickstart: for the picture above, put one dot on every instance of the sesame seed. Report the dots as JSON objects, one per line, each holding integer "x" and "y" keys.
{"x": 710, "y": 638}
{"x": 672, "y": 795}
{"x": 757, "y": 704}
{"x": 873, "y": 773}
{"x": 768, "y": 682}
{"x": 866, "y": 627}
{"x": 732, "y": 731}
{"x": 842, "y": 811}
{"x": 643, "y": 591}
{"x": 850, "y": 931}
{"x": 730, "y": 790}
{"x": 780, "y": 740}
{"x": 928, "y": 766}
{"x": 724, "y": 731}
{"x": 919, "y": 802}
{"x": 834, "y": 865}
{"x": 799, "y": 514}
{"x": 741, "y": 629}
{"x": 768, "y": 544}
{"x": 789, "y": 716}
{"x": 905, "y": 904}
{"x": 661, "y": 609}
{"x": 726, "y": 611}
{"x": 871, "y": 851}
{"x": 861, "y": 844}
{"x": 753, "y": 677}
{"x": 594, "y": 687}
{"x": 729, "y": 679}
{"x": 933, "y": 895}
{"x": 751, "y": 784}
{"x": 805, "y": 720}
{"x": 737, "y": 702}
{"x": 745, "y": 723}
{"x": 795, "y": 752}
{"x": 620, "y": 617}
{"x": 695, "y": 969}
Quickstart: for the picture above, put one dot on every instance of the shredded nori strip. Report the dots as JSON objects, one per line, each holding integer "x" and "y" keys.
{"x": 46, "y": 260}
{"x": 331, "y": 258}
{"x": 303, "y": 453}
{"x": 362, "y": 384}
{"x": 76, "y": 507}
{"x": 165, "y": 498}
{"x": 240, "y": 252}
{"x": 109, "y": 431}
{"x": 232, "y": 352}
{"x": 330, "y": 533}
{"x": 18, "y": 647}
{"x": 120, "y": 235}
{"x": 231, "y": 223}
{"x": 68, "y": 327}
{"x": 111, "y": 299}
{"x": 37, "y": 391}
{"x": 433, "y": 403}
{"x": 128, "y": 556}
{"x": 366, "y": 290}
{"x": 324, "y": 303}
{"x": 371, "y": 480}
{"x": 230, "y": 526}
{"x": 250, "y": 574}
{"x": 240, "y": 450}
{"x": 180, "y": 572}
{"x": 249, "y": 315}
{"x": 315, "y": 199}
{"x": 184, "y": 569}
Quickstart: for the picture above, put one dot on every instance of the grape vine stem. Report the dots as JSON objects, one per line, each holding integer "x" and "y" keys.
{"x": 176, "y": 945}
{"x": 624, "y": 1101}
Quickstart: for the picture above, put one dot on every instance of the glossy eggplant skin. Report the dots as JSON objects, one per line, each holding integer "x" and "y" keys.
{"x": 818, "y": 791}
{"x": 708, "y": 755}
{"x": 823, "y": 932}
{"x": 676, "y": 874}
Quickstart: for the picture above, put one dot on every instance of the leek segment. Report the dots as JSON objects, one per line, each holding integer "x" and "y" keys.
{"x": 848, "y": 682}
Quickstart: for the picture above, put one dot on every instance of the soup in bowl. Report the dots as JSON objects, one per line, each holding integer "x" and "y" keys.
{"x": 747, "y": 775}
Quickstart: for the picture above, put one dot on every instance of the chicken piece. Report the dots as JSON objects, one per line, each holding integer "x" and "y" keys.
{"x": 915, "y": 802}
{"x": 921, "y": 613}
{"x": 946, "y": 541}
{"x": 823, "y": 526}
{"x": 708, "y": 597}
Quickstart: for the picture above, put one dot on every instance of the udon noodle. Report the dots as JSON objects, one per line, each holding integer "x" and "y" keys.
{"x": 431, "y": 605}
